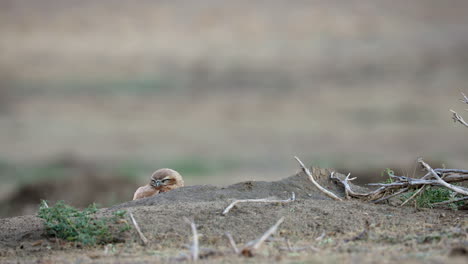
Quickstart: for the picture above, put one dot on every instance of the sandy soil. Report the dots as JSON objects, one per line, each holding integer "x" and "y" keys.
{"x": 405, "y": 234}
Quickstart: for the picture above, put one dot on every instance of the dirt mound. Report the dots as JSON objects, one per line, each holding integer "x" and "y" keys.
{"x": 161, "y": 218}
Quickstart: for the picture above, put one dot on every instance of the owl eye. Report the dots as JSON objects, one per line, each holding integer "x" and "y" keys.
{"x": 153, "y": 181}
{"x": 166, "y": 180}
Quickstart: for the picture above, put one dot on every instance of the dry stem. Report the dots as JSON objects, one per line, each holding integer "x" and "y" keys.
{"x": 140, "y": 234}
{"x": 414, "y": 195}
{"x": 194, "y": 248}
{"x": 325, "y": 191}
{"x": 231, "y": 241}
{"x": 253, "y": 245}
{"x": 265, "y": 200}
{"x": 456, "y": 117}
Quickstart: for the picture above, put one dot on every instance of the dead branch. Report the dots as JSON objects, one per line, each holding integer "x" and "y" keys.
{"x": 231, "y": 241}
{"x": 194, "y": 248}
{"x": 451, "y": 201}
{"x": 391, "y": 195}
{"x": 350, "y": 193}
{"x": 140, "y": 234}
{"x": 451, "y": 171}
{"x": 454, "y": 188}
{"x": 325, "y": 191}
{"x": 265, "y": 200}
{"x": 458, "y": 118}
{"x": 253, "y": 245}
{"x": 404, "y": 184}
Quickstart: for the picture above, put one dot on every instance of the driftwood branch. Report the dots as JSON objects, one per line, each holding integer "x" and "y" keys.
{"x": 325, "y": 191}
{"x": 293, "y": 198}
{"x": 253, "y": 245}
{"x": 140, "y": 234}
{"x": 194, "y": 249}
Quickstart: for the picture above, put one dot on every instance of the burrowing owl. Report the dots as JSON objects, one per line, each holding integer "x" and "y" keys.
{"x": 162, "y": 180}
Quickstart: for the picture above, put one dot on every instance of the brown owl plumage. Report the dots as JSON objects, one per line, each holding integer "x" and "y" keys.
{"x": 162, "y": 180}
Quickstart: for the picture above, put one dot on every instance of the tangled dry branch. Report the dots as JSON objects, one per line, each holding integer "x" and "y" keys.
{"x": 400, "y": 184}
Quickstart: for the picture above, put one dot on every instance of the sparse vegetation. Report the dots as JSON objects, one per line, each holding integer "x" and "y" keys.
{"x": 431, "y": 195}
{"x": 66, "y": 222}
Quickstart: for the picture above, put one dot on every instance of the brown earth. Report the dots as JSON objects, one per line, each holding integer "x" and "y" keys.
{"x": 405, "y": 234}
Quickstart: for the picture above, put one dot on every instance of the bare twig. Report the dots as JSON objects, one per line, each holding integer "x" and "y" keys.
{"x": 391, "y": 195}
{"x": 465, "y": 98}
{"x": 321, "y": 236}
{"x": 414, "y": 195}
{"x": 451, "y": 201}
{"x": 265, "y": 200}
{"x": 253, "y": 245}
{"x": 454, "y": 188}
{"x": 140, "y": 234}
{"x": 195, "y": 247}
{"x": 325, "y": 191}
{"x": 456, "y": 117}
{"x": 231, "y": 241}
{"x": 451, "y": 171}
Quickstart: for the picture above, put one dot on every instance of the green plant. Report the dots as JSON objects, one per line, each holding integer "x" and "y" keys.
{"x": 389, "y": 173}
{"x": 68, "y": 223}
{"x": 431, "y": 195}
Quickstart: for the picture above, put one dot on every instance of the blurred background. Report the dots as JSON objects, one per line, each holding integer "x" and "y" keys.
{"x": 95, "y": 95}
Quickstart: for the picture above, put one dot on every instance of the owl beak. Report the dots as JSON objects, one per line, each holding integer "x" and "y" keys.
{"x": 158, "y": 183}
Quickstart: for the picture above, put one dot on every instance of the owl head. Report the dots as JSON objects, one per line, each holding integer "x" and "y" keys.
{"x": 166, "y": 179}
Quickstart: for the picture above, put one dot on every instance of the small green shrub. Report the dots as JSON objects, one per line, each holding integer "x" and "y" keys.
{"x": 388, "y": 172}
{"x": 431, "y": 195}
{"x": 68, "y": 223}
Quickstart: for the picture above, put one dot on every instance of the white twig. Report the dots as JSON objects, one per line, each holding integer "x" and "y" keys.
{"x": 265, "y": 200}
{"x": 465, "y": 98}
{"x": 142, "y": 237}
{"x": 231, "y": 241}
{"x": 414, "y": 195}
{"x": 454, "y": 188}
{"x": 195, "y": 246}
{"x": 321, "y": 236}
{"x": 325, "y": 191}
{"x": 456, "y": 117}
{"x": 255, "y": 244}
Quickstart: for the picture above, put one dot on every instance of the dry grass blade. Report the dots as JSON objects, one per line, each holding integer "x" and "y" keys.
{"x": 293, "y": 198}
{"x": 195, "y": 245}
{"x": 325, "y": 191}
{"x": 140, "y": 234}
{"x": 251, "y": 246}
